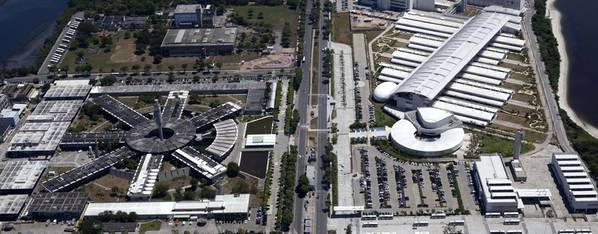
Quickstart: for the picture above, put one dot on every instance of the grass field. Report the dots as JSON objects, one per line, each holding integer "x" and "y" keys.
{"x": 150, "y": 226}
{"x": 262, "y": 126}
{"x": 122, "y": 55}
{"x": 277, "y": 16}
{"x": 494, "y": 144}
{"x": 371, "y": 34}
{"x": 382, "y": 119}
{"x": 341, "y": 28}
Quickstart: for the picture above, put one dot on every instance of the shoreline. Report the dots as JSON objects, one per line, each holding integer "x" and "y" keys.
{"x": 555, "y": 18}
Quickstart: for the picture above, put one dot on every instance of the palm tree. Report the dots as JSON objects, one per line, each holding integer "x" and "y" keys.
{"x": 184, "y": 66}
{"x": 65, "y": 69}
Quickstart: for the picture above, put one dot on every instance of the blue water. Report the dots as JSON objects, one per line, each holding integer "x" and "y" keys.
{"x": 580, "y": 29}
{"x": 24, "y": 25}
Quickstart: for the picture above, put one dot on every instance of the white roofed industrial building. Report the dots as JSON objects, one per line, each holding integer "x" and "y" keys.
{"x": 222, "y": 207}
{"x": 451, "y": 63}
{"x": 495, "y": 190}
{"x": 575, "y": 182}
{"x": 20, "y": 176}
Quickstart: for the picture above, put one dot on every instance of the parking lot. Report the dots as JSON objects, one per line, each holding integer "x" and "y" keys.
{"x": 403, "y": 188}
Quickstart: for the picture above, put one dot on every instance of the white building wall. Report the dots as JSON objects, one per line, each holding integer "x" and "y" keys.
{"x": 424, "y": 5}
{"x": 513, "y": 4}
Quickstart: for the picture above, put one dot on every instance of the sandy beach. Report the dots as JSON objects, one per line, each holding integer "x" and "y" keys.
{"x": 555, "y": 18}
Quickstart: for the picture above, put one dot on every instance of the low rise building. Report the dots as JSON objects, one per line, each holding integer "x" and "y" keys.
{"x": 223, "y": 207}
{"x": 59, "y": 206}
{"x": 10, "y": 117}
{"x": 575, "y": 183}
{"x": 512, "y": 4}
{"x": 199, "y": 42}
{"x": 260, "y": 140}
{"x": 145, "y": 178}
{"x": 494, "y": 189}
{"x": 11, "y": 206}
{"x": 20, "y": 177}
{"x": 194, "y": 15}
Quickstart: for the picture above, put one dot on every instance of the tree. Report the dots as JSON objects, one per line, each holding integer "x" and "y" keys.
{"x": 108, "y": 80}
{"x": 92, "y": 111}
{"x": 65, "y": 68}
{"x": 303, "y": 186}
{"x": 208, "y": 192}
{"x": 160, "y": 191}
{"x": 193, "y": 183}
{"x": 171, "y": 68}
{"x": 184, "y": 66}
{"x": 114, "y": 191}
{"x": 219, "y": 65}
{"x": 232, "y": 169}
{"x": 136, "y": 67}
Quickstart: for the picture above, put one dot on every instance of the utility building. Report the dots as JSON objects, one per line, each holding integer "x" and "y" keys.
{"x": 199, "y": 42}
{"x": 512, "y": 4}
{"x": 194, "y": 15}
{"x": 60, "y": 206}
{"x": 575, "y": 183}
{"x": 495, "y": 191}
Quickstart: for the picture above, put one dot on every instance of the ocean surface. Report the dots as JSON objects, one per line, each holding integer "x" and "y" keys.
{"x": 580, "y": 30}
{"x": 24, "y": 25}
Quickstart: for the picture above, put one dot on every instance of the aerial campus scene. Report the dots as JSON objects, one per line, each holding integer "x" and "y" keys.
{"x": 298, "y": 116}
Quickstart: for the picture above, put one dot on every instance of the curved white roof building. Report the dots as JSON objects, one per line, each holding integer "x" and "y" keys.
{"x": 454, "y": 54}
{"x": 428, "y": 132}
{"x": 384, "y": 91}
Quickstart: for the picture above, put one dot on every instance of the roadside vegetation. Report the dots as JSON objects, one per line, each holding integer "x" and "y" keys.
{"x": 286, "y": 191}
{"x": 547, "y": 43}
{"x": 341, "y": 28}
{"x": 582, "y": 142}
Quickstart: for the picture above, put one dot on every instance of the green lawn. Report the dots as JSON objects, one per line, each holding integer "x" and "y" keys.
{"x": 277, "y": 16}
{"x": 494, "y": 144}
{"x": 382, "y": 119}
{"x": 150, "y": 226}
{"x": 341, "y": 28}
{"x": 121, "y": 55}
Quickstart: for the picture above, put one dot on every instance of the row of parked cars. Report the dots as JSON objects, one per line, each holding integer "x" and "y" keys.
{"x": 401, "y": 181}
{"x": 366, "y": 181}
{"x": 383, "y": 187}
{"x": 65, "y": 40}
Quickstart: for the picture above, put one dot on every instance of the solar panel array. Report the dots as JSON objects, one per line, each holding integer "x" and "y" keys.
{"x": 67, "y": 180}
{"x": 199, "y": 162}
{"x": 215, "y": 114}
{"x": 119, "y": 110}
{"x": 175, "y": 103}
{"x": 91, "y": 138}
{"x": 226, "y": 136}
{"x": 57, "y": 203}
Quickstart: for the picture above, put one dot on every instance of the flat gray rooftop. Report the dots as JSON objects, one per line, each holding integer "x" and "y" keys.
{"x": 199, "y": 37}
{"x": 67, "y": 92}
{"x": 12, "y": 204}
{"x": 55, "y": 111}
{"x": 36, "y": 136}
{"x": 186, "y": 8}
{"x": 20, "y": 175}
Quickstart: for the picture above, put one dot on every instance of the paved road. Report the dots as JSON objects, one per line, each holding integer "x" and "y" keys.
{"x": 303, "y": 109}
{"x": 229, "y": 75}
{"x": 546, "y": 91}
{"x": 322, "y": 136}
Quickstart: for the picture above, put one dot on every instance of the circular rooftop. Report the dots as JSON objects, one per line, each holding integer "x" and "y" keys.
{"x": 145, "y": 136}
{"x": 404, "y": 135}
{"x": 384, "y": 91}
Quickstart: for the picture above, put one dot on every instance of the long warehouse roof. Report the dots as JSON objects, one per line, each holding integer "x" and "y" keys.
{"x": 444, "y": 64}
